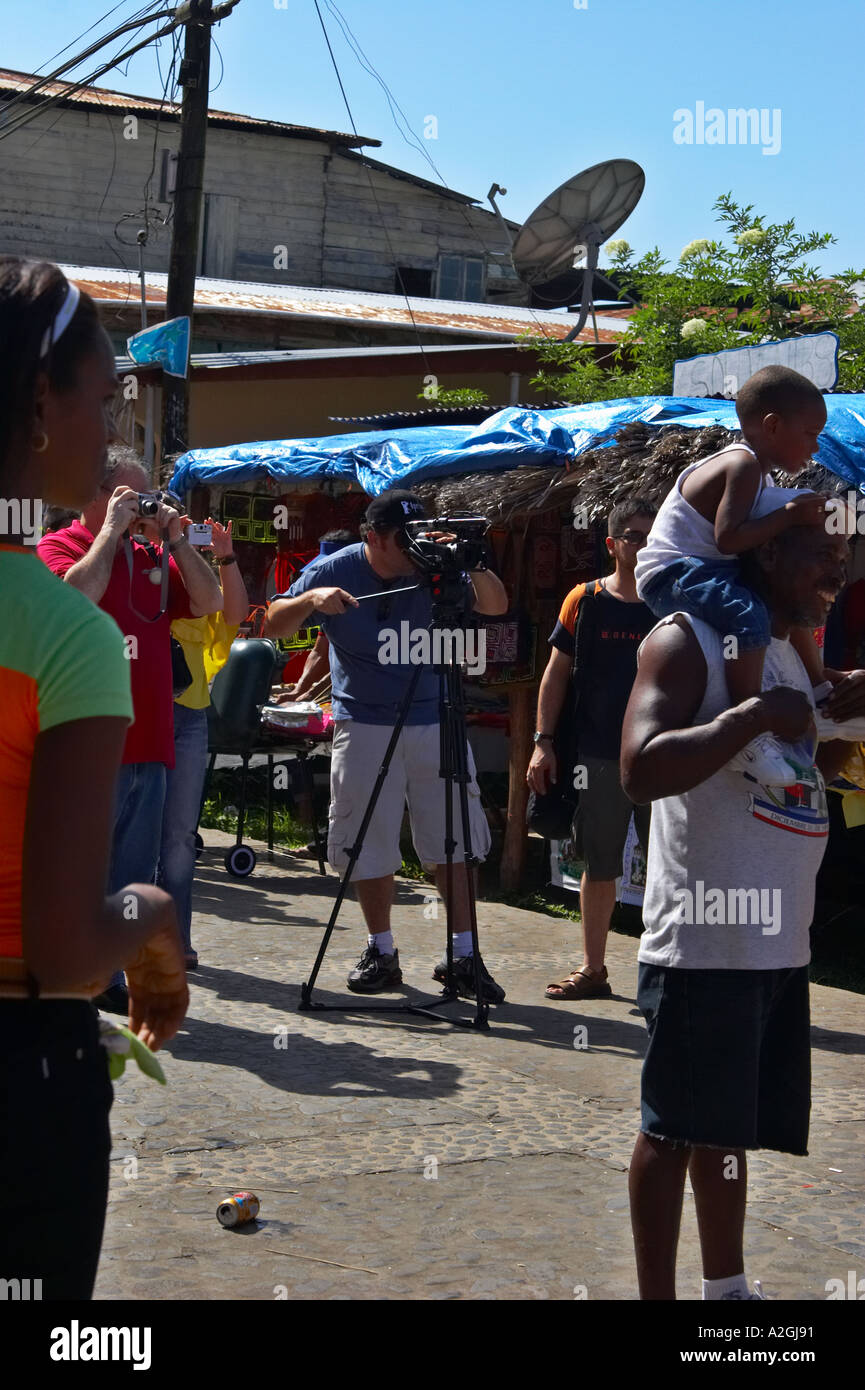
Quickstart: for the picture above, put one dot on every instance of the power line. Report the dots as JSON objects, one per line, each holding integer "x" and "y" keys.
{"x": 32, "y": 112}
{"x": 94, "y": 25}
{"x": 410, "y": 139}
{"x": 372, "y": 190}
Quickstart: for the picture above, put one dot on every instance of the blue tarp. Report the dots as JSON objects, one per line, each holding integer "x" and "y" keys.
{"x": 379, "y": 459}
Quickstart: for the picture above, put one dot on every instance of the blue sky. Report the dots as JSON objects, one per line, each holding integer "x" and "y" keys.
{"x": 528, "y": 94}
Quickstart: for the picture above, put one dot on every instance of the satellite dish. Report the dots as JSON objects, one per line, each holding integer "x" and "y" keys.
{"x": 558, "y": 245}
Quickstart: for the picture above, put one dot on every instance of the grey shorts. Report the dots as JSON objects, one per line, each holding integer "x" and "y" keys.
{"x": 413, "y": 779}
{"x": 603, "y": 815}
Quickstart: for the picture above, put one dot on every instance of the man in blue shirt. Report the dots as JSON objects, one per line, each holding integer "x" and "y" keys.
{"x": 368, "y": 690}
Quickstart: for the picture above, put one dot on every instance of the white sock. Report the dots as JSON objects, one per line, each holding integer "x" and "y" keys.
{"x": 463, "y": 944}
{"x": 383, "y": 941}
{"x": 713, "y": 1289}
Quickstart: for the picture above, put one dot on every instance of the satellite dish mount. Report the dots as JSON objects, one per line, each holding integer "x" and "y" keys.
{"x": 557, "y": 249}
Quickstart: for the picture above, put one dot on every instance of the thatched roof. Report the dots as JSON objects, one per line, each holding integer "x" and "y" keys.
{"x": 641, "y": 460}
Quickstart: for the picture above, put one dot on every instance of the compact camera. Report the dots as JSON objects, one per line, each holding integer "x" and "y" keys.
{"x": 148, "y": 502}
{"x": 198, "y": 533}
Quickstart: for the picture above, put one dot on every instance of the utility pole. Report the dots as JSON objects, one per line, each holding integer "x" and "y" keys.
{"x": 195, "y": 80}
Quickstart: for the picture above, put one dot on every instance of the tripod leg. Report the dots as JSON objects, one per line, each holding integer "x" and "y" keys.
{"x": 459, "y": 745}
{"x": 354, "y": 853}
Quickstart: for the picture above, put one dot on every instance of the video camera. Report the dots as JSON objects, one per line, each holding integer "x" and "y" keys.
{"x": 464, "y": 553}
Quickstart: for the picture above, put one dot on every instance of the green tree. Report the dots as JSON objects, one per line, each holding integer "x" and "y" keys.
{"x": 754, "y": 285}
{"x": 455, "y": 395}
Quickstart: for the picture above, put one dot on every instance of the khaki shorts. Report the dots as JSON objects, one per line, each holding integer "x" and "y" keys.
{"x": 413, "y": 778}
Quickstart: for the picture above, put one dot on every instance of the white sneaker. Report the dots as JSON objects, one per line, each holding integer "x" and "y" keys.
{"x": 745, "y": 1297}
{"x": 763, "y": 760}
{"x": 851, "y": 729}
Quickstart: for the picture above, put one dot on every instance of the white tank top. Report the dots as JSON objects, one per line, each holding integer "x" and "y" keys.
{"x": 680, "y": 530}
{"x": 732, "y": 865}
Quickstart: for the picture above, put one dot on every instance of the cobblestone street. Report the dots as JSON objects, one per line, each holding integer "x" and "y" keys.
{"x": 398, "y": 1158}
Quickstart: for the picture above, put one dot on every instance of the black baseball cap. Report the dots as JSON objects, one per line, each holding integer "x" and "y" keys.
{"x": 392, "y": 509}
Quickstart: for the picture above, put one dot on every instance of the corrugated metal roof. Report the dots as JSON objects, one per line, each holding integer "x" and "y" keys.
{"x": 276, "y": 357}
{"x": 496, "y": 321}
{"x": 97, "y": 98}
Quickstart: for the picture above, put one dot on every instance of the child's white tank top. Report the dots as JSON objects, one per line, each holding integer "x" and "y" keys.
{"x": 679, "y": 530}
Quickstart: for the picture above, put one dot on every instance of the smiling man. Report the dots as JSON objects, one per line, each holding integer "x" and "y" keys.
{"x": 725, "y": 994}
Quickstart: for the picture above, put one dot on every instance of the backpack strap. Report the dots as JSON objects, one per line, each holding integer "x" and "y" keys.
{"x": 584, "y": 627}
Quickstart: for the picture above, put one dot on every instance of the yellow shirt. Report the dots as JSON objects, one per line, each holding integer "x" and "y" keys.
{"x": 206, "y": 643}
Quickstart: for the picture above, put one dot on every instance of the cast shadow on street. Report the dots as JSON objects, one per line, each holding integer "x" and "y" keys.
{"x": 216, "y": 894}
{"x": 307, "y": 1066}
{"x": 550, "y": 1026}
{"x": 832, "y": 1040}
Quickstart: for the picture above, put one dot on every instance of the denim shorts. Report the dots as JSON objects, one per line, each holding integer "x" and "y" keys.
{"x": 710, "y": 591}
{"x": 729, "y": 1058}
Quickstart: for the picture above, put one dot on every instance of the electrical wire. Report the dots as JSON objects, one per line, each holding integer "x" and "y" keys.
{"x": 138, "y": 14}
{"x": 171, "y": 78}
{"x": 25, "y": 98}
{"x": 404, "y": 129}
{"x": 221, "y": 63}
{"x": 372, "y": 190}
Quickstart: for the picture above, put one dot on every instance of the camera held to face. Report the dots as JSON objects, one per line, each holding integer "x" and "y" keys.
{"x": 149, "y": 502}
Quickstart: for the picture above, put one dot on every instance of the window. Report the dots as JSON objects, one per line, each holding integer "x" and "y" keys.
{"x": 410, "y": 280}
{"x": 461, "y": 277}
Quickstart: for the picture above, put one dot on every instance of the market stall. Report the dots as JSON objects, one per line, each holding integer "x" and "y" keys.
{"x": 544, "y": 480}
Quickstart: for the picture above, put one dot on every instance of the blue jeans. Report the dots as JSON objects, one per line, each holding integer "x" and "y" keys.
{"x": 711, "y": 591}
{"x": 138, "y": 799}
{"x": 180, "y": 815}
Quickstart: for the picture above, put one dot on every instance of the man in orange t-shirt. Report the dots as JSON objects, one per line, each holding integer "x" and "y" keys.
{"x": 617, "y": 621}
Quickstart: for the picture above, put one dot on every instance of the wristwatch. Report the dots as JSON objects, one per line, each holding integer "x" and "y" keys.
{"x": 539, "y": 738}
{"x": 227, "y": 560}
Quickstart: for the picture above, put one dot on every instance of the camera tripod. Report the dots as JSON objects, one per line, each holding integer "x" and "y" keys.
{"x": 449, "y": 610}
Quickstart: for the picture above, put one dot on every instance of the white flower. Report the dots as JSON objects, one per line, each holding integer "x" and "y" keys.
{"x": 694, "y": 248}
{"x": 752, "y": 237}
{"x": 618, "y": 247}
{"x": 694, "y": 328}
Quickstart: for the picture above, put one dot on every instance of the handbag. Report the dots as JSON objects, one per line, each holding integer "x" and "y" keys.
{"x": 551, "y": 813}
{"x": 181, "y": 676}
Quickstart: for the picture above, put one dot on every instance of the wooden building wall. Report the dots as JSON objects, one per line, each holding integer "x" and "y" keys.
{"x": 68, "y": 178}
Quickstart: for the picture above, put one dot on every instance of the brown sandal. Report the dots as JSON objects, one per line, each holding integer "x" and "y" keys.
{"x": 581, "y": 984}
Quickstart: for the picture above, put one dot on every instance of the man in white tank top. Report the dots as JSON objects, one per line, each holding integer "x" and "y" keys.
{"x": 729, "y": 900}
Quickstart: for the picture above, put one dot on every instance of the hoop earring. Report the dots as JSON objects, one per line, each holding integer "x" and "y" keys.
{"x": 41, "y": 447}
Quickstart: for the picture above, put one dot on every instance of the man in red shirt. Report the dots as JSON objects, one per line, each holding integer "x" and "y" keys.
{"x": 91, "y": 555}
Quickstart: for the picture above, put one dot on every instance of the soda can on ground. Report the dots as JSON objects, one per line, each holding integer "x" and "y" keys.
{"x": 238, "y": 1209}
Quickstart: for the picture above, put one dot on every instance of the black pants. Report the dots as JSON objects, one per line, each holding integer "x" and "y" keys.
{"x": 55, "y": 1143}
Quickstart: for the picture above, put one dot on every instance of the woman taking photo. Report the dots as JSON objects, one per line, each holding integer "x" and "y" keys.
{"x": 64, "y": 710}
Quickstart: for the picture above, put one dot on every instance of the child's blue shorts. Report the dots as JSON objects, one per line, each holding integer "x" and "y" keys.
{"x": 710, "y": 591}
